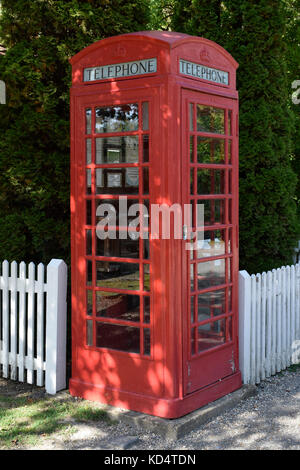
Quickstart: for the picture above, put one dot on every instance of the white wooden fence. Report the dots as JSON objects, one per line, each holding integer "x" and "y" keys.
{"x": 33, "y": 324}
{"x": 269, "y": 322}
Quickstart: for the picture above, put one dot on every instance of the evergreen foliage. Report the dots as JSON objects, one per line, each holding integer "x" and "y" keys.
{"x": 40, "y": 37}
{"x": 255, "y": 34}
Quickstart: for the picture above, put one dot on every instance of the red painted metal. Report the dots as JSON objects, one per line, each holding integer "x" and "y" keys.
{"x": 171, "y": 379}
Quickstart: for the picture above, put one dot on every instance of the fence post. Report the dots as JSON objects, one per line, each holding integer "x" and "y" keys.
{"x": 245, "y": 324}
{"x": 56, "y": 319}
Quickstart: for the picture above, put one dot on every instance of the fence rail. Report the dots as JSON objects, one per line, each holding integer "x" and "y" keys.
{"x": 269, "y": 322}
{"x": 33, "y": 323}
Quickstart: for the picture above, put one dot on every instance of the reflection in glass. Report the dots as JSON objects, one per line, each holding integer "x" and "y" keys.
{"x": 191, "y": 107}
{"x": 89, "y": 273}
{"x": 146, "y": 309}
{"x": 192, "y": 149}
{"x": 118, "y": 337}
{"x": 192, "y": 309}
{"x": 211, "y": 273}
{"x": 89, "y": 302}
{"x": 88, "y": 212}
{"x": 193, "y": 341}
{"x": 213, "y": 244}
{"x": 210, "y": 150}
{"x": 118, "y": 275}
{"x": 214, "y": 211}
{"x": 88, "y": 181}
{"x": 88, "y": 151}
{"x": 88, "y": 242}
{"x": 118, "y": 306}
{"x": 210, "y": 181}
{"x": 145, "y": 116}
{"x": 147, "y": 277}
{"x": 211, "y": 304}
{"x": 211, "y": 335}
{"x": 123, "y": 118}
{"x": 146, "y": 148}
{"x": 89, "y": 332}
{"x": 229, "y": 151}
{"x": 117, "y": 181}
{"x": 117, "y": 149}
{"x": 88, "y": 121}
{"x": 192, "y": 181}
{"x": 146, "y": 342}
{"x": 145, "y": 180}
{"x": 120, "y": 248}
{"x": 210, "y": 119}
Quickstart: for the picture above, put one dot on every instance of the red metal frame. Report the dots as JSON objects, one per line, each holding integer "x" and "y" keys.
{"x": 169, "y": 382}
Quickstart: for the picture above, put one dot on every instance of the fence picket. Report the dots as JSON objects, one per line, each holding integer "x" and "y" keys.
{"x": 30, "y": 324}
{"x": 274, "y": 323}
{"x": 13, "y": 320}
{"x": 5, "y": 321}
{"x": 22, "y": 316}
{"x": 40, "y": 324}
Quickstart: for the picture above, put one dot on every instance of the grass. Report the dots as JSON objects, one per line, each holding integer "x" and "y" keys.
{"x": 24, "y": 420}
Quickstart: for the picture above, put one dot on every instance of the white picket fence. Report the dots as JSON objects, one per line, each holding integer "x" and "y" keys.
{"x": 269, "y": 322}
{"x": 33, "y": 323}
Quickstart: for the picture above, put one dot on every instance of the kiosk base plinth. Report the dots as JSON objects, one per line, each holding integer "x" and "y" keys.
{"x": 164, "y": 408}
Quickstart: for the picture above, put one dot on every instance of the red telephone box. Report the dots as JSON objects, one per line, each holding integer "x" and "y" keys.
{"x": 154, "y": 121}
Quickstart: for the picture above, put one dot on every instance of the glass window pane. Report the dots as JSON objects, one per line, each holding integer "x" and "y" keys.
{"x": 211, "y": 304}
{"x": 191, "y": 106}
{"x": 229, "y": 151}
{"x": 88, "y": 151}
{"x": 210, "y": 181}
{"x": 210, "y": 150}
{"x": 192, "y": 149}
{"x": 214, "y": 211}
{"x": 118, "y": 337}
{"x": 145, "y": 180}
{"x": 146, "y": 309}
{"x": 88, "y": 181}
{"x": 212, "y": 244}
{"x": 117, "y": 150}
{"x": 123, "y": 118}
{"x": 145, "y": 116}
{"x": 118, "y": 275}
{"x": 89, "y": 302}
{"x": 117, "y": 181}
{"x": 118, "y": 306}
{"x": 192, "y": 309}
{"x": 211, "y": 335}
{"x": 193, "y": 341}
{"x": 88, "y": 212}
{"x": 146, "y": 249}
{"x": 88, "y": 242}
{"x": 210, "y": 119}
{"x": 88, "y": 121}
{"x": 230, "y": 122}
{"x": 211, "y": 273}
{"x": 119, "y": 248}
{"x": 89, "y": 332}
{"x": 192, "y": 181}
{"x": 146, "y": 342}
{"x": 118, "y": 209}
{"x": 147, "y": 277}
{"x": 89, "y": 272}
{"x": 146, "y": 148}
